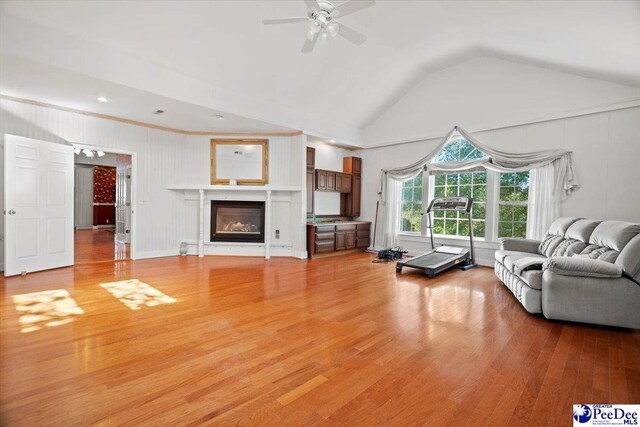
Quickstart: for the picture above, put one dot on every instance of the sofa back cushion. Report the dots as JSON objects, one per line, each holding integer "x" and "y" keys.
{"x": 560, "y": 226}
{"x": 581, "y": 230}
{"x": 629, "y": 258}
{"x": 614, "y": 234}
{"x": 555, "y": 235}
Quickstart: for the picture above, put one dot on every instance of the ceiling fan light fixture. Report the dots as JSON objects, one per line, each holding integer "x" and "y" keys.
{"x": 333, "y": 28}
{"x": 323, "y": 37}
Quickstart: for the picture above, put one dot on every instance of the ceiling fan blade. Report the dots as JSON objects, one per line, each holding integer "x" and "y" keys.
{"x": 284, "y": 21}
{"x": 312, "y": 5}
{"x": 310, "y": 44}
{"x": 352, "y": 35}
{"x": 352, "y": 6}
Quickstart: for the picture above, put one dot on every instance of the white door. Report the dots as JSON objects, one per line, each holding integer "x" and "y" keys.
{"x": 38, "y": 205}
{"x": 123, "y": 205}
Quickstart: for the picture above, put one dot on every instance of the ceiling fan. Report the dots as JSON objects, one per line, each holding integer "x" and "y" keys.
{"x": 322, "y": 21}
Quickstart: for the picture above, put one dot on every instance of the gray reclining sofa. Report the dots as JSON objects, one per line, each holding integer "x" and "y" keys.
{"x": 582, "y": 271}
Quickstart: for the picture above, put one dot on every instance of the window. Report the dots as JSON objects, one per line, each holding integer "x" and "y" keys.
{"x": 411, "y": 208}
{"x": 514, "y": 195}
{"x": 467, "y": 184}
{"x": 500, "y": 200}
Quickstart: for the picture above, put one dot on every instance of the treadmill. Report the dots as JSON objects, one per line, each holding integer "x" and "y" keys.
{"x": 444, "y": 257}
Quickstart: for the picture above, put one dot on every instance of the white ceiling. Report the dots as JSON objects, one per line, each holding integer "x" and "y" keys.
{"x": 25, "y": 79}
{"x": 218, "y": 54}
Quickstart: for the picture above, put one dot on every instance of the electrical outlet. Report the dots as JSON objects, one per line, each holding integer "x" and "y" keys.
{"x": 277, "y": 234}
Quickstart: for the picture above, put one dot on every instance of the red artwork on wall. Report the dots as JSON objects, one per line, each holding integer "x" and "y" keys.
{"x": 104, "y": 191}
{"x": 104, "y": 184}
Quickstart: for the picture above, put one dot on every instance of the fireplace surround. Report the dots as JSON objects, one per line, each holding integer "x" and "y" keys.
{"x": 237, "y": 221}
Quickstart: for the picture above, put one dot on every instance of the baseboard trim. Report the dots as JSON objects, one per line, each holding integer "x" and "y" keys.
{"x": 155, "y": 254}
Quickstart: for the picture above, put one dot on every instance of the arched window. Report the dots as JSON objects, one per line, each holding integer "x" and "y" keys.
{"x": 500, "y": 199}
{"x": 467, "y": 184}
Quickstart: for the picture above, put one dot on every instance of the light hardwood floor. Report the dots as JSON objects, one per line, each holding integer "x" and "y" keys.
{"x": 338, "y": 341}
{"x": 98, "y": 245}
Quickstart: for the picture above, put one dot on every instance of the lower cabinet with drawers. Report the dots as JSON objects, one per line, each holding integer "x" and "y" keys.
{"x": 339, "y": 236}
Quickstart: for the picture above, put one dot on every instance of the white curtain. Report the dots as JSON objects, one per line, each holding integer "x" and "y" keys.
{"x": 543, "y": 205}
{"x": 391, "y": 225}
{"x": 554, "y": 178}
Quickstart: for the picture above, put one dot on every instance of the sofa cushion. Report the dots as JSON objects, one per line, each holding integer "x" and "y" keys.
{"x": 599, "y": 253}
{"x": 549, "y": 244}
{"x": 614, "y": 234}
{"x": 533, "y": 278}
{"x": 559, "y": 226}
{"x": 629, "y": 258}
{"x": 501, "y": 254}
{"x": 581, "y": 230}
{"x": 568, "y": 247}
{"x": 511, "y": 260}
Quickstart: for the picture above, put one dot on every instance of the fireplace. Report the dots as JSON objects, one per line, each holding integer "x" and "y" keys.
{"x": 233, "y": 221}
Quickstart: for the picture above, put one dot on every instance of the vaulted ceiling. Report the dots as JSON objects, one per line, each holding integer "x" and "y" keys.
{"x": 219, "y": 56}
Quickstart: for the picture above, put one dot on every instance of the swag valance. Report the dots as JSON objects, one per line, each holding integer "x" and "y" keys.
{"x": 496, "y": 160}
{"x": 552, "y": 178}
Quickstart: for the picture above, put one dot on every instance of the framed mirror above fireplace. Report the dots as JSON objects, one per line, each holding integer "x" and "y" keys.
{"x": 237, "y": 221}
{"x": 243, "y": 161}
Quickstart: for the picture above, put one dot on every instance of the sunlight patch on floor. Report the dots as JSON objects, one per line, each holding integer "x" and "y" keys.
{"x": 39, "y": 310}
{"x": 136, "y": 294}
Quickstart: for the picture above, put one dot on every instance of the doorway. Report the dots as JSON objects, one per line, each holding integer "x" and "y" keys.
{"x": 102, "y": 202}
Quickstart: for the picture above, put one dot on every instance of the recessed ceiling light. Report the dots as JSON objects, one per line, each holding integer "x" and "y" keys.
{"x": 103, "y": 99}
{"x": 218, "y": 116}
{"x": 332, "y": 140}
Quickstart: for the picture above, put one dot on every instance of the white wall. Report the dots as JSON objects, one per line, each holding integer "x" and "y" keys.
{"x": 486, "y": 93}
{"x": 606, "y": 149}
{"x": 328, "y": 157}
{"x": 165, "y": 217}
{"x": 160, "y": 162}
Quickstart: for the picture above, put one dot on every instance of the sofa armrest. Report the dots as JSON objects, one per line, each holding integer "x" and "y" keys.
{"x": 520, "y": 245}
{"x": 570, "y": 266}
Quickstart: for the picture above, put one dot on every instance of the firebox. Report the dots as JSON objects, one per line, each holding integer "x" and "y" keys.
{"x": 233, "y": 221}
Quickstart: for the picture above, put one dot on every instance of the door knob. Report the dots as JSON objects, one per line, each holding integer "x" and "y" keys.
{"x": 12, "y": 212}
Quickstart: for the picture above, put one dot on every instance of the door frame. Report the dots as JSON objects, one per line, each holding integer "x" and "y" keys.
{"x": 133, "y": 252}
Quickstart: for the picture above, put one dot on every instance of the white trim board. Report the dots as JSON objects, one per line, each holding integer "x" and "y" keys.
{"x": 578, "y": 113}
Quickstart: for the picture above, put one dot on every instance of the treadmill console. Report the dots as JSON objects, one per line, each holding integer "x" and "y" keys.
{"x": 461, "y": 204}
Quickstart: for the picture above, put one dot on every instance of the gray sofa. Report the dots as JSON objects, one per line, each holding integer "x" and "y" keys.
{"x": 582, "y": 271}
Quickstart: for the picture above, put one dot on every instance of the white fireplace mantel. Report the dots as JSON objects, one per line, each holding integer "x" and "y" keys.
{"x": 267, "y": 189}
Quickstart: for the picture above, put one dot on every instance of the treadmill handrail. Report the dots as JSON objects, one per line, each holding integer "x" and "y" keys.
{"x": 469, "y": 212}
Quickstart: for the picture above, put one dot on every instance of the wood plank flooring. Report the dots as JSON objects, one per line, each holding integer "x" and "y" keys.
{"x": 98, "y": 245}
{"x": 285, "y": 342}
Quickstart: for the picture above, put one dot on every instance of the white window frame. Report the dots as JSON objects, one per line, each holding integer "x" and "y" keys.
{"x": 491, "y": 207}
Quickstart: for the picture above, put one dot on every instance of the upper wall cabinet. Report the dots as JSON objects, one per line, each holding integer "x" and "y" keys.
{"x": 350, "y": 201}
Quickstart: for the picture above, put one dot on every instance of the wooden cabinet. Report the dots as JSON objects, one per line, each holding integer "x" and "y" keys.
{"x": 331, "y": 181}
{"x": 321, "y": 180}
{"x": 352, "y": 165}
{"x": 350, "y": 201}
{"x": 326, "y": 238}
{"x": 343, "y": 182}
{"x": 311, "y": 180}
{"x": 325, "y": 180}
{"x": 311, "y": 158}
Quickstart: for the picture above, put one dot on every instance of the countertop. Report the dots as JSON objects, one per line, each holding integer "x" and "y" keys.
{"x": 338, "y": 222}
